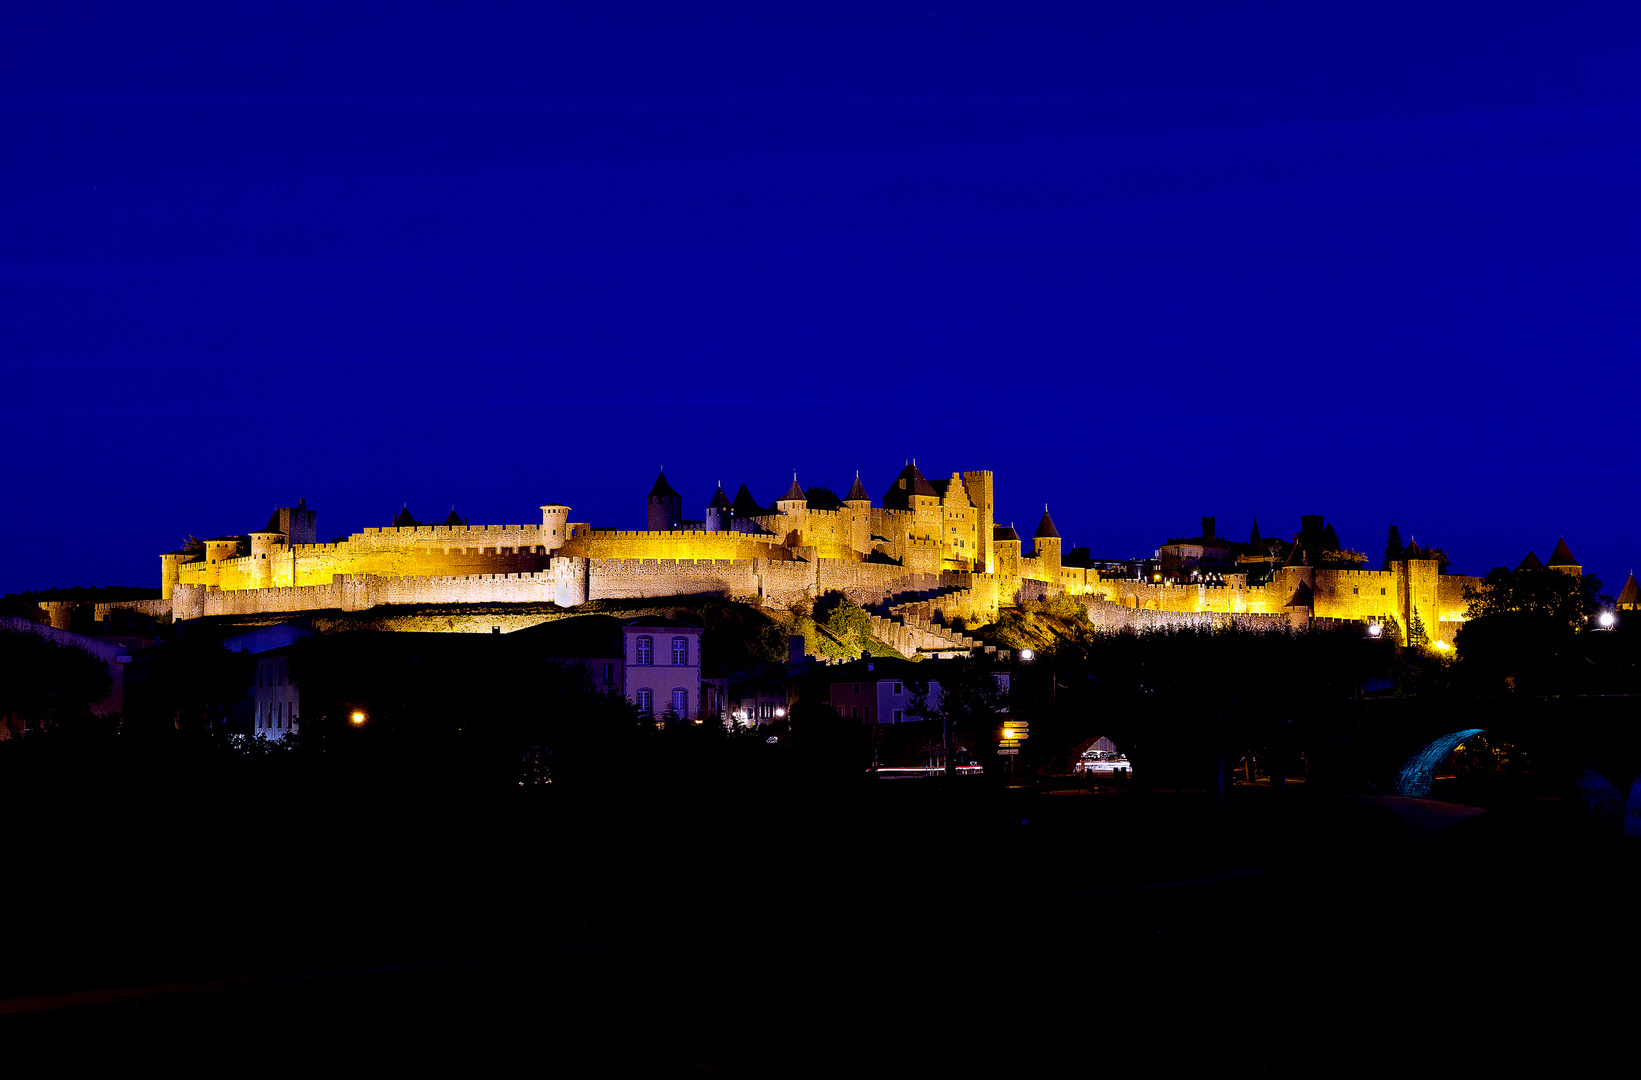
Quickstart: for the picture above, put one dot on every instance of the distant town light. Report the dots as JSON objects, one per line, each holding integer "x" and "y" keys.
{"x": 358, "y": 718}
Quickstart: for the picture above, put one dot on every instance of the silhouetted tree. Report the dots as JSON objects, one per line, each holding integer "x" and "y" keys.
{"x": 822, "y": 498}
{"x": 46, "y": 685}
{"x": 1393, "y": 549}
{"x": 967, "y": 703}
{"x": 1546, "y": 592}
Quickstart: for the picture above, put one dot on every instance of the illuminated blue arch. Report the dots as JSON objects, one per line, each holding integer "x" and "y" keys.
{"x": 1414, "y": 777}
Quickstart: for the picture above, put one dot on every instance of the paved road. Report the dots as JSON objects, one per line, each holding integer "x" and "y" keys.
{"x": 1423, "y": 817}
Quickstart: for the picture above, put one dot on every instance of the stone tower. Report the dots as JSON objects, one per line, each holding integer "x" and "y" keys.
{"x": 218, "y": 550}
{"x": 1005, "y": 546}
{"x": 266, "y": 548}
{"x": 1045, "y": 543}
{"x": 299, "y": 524}
{"x": 794, "y": 502}
{"x": 718, "y": 512}
{"x": 665, "y": 506}
{"x": 555, "y": 525}
{"x": 1629, "y": 598}
{"x": 980, "y": 489}
{"x": 171, "y": 571}
{"x": 858, "y": 505}
{"x": 1562, "y": 559}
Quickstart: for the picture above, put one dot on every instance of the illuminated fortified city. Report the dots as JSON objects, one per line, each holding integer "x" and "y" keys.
{"x": 928, "y": 552}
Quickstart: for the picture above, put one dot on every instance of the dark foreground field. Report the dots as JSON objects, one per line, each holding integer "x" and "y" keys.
{"x": 801, "y": 928}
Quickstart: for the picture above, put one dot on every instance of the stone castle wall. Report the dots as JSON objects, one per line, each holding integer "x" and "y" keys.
{"x": 1114, "y": 618}
{"x": 806, "y": 553}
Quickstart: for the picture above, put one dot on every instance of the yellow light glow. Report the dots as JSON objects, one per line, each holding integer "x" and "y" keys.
{"x": 358, "y": 718}
{"x": 1443, "y": 646}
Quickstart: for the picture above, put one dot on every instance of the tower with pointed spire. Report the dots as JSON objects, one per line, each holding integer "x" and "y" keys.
{"x": 664, "y": 506}
{"x": 1629, "y": 598}
{"x": 1045, "y": 543}
{"x": 858, "y": 505}
{"x": 718, "y": 513}
{"x": 1562, "y": 559}
{"x": 794, "y": 502}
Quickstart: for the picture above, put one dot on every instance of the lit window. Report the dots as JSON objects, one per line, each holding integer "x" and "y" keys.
{"x": 646, "y": 645}
{"x": 680, "y": 651}
{"x": 644, "y": 703}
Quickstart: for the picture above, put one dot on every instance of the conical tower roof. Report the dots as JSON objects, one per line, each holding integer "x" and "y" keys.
{"x": 1630, "y": 596}
{"x": 454, "y": 518}
{"x": 1562, "y": 556}
{"x": 1530, "y": 562}
{"x": 405, "y": 519}
{"x": 661, "y": 487}
{"x": 857, "y": 491}
{"x": 794, "y": 492}
{"x": 909, "y": 483}
{"x": 745, "y": 506}
{"x": 720, "y": 501}
{"x": 1045, "y": 528}
{"x": 1253, "y": 537}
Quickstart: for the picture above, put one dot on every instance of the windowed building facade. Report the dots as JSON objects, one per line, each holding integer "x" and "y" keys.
{"x": 663, "y": 668}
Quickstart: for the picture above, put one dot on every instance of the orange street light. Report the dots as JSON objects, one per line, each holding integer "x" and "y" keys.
{"x": 357, "y": 718}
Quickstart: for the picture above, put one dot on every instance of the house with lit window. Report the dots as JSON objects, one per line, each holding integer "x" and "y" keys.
{"x": 873, "y": 691}
{"x": 662, "y": 659}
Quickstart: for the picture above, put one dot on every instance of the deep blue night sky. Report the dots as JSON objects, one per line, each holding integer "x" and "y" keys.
{"x": 1145, "y": 265}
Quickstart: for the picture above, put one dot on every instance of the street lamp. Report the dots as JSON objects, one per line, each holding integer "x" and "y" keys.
{"x": 358, "y": 718}
{"x": 1374, "y": 629}
{"x": 1027, "y": 655}
{"x": 1607, "y": 619}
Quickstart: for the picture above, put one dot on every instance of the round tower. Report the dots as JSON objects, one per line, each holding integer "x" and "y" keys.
{"x": 718, "y": 513}
{"x": 171, "y": 571}
{"x": 858, "y": 505}
{"x": 794, "y": 501}
{"x": 218, "y": 550}
{"x": 1046, "y": 543}
{"x": 664, "y": 506}
{"x": 794, "y": 506}
{"x": 555, "y": 525}
{"x": 266, "y": 547}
